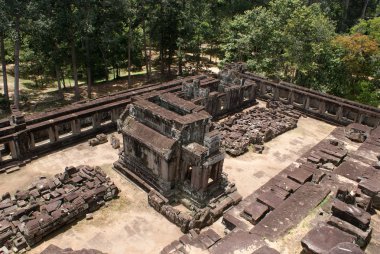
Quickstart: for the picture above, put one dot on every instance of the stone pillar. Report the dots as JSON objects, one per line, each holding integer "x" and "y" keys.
{"x": 291, "y": 97}
{"x": 262, "y": 89}
{"x": 32, "y": 142}
{"x": 52, "y": 135}
{"x": 196, "y": 178}
{"x": 13, "y": 149}
{"x": 276, "y": 93}
{"x": 114, "y": 115}
{"x": 360, "y": 119}
{"x": 95, "y": 120}
{"x": 322, "y": 107}
{"x": 307, "y": 104}
{"x": 339, "y": 113}
{"x": 75, "y": 126}
{"x": 205, "y": 177}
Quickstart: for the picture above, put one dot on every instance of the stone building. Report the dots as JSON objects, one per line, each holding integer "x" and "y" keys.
{"x": 168, "y": 145}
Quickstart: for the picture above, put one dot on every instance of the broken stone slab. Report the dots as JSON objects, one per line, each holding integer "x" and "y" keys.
{"x": 270, "y": 199}
{"x": 287, "y": 184}
{"x": 237, "y": 241}
{"x": 362, "y": 237}
{"x": 255, "y": 212}
{"x": 323, "y": 238}
{"x": 300, "y": 175}
{"x": 371, "y": 187}
{"x": 352, "y": 214}
{"x": 231, "y": 222}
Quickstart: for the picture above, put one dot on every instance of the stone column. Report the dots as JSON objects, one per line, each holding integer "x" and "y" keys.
{"x": 276, "y": 93}
{"x": 52, "y": 133}
{"x": 13, "y": 149}
{"x": 291, "y": 97}
{"x": 322, "y": 107}
{"x": 307, "y": 104}
{"x": 95, "y": 120}
{"x": 339, "y": 113}
{"x": 114, "y": 115}
{"x": 75, "y": 126}
{"x": 196, "y": 178}
{"x": 32, "y": 142}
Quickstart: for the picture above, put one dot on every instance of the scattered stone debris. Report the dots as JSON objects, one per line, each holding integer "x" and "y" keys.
{"x": 50, "y": 203}
{"x": 99, "y": 139}
{"x": 115, "y": 142}
{"x": 52, "y": 249}
{"x": 256, "y": 126}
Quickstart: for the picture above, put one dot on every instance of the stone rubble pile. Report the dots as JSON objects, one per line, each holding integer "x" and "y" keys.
{"x": 256, "y": 126}
{"x": 50, "y": 203}
{"x": 98, "y": 140}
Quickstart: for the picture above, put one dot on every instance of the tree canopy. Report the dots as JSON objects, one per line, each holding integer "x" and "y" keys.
{"x": 331, "y": 46}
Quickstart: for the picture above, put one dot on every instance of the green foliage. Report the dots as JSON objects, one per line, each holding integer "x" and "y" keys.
{"x": 294, "y": 40}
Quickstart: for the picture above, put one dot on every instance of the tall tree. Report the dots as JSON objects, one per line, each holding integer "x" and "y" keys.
{"x": 4, "y": 25}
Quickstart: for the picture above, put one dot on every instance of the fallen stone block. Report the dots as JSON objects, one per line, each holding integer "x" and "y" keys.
{"x": 300, "y": 175}
{"x": 362, "y": 237}
{"x": 287, "y": 184}
{"x": 255, "y": 212}
{"x": 352, "y": 214}
{"x": 270, "y": 199}
{"x": 323, "y": 238}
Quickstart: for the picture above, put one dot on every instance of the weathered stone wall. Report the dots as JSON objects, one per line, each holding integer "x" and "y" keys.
{"x": 319, "y": 105}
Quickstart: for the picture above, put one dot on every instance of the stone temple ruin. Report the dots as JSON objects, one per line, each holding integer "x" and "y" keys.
{"x": 169, "y": 148}
{"x": 175, "y": 137}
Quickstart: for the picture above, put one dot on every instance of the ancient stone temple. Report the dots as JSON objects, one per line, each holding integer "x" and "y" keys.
{"x": 167, "y": 143}
{"x": 168, "y": 148}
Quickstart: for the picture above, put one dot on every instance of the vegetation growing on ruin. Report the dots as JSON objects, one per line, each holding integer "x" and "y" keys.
{"x": 328, "y": 45}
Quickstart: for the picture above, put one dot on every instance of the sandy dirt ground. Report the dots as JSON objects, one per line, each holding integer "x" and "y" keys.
{"x": 128, "y": 224}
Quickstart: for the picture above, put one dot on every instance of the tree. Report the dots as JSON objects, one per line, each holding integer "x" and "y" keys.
{"x": 4, "y": 26}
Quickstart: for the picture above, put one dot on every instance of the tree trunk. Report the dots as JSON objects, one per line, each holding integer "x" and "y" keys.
{"x": 63, "y": 80}
{"x": 129, "y": 52}
{"x": 88, "y": 67}
{"x": 146, "y": 52}
{"x": 346, "y": 7}
{"x": 17, "y": 64}
{"x": 4, "y": 67}
{"x": 180, "y": 70}
{"x": 150, "y": 55}
{"x": 75, "y": 71}
{"x": 58, "y": 76}
{"x": 364, "y": 10}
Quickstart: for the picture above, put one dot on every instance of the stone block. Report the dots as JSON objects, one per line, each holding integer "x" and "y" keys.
{"x": 362, "y": 237}
{"x": 323, "y": 238}
{"x": 352, "y": 214}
